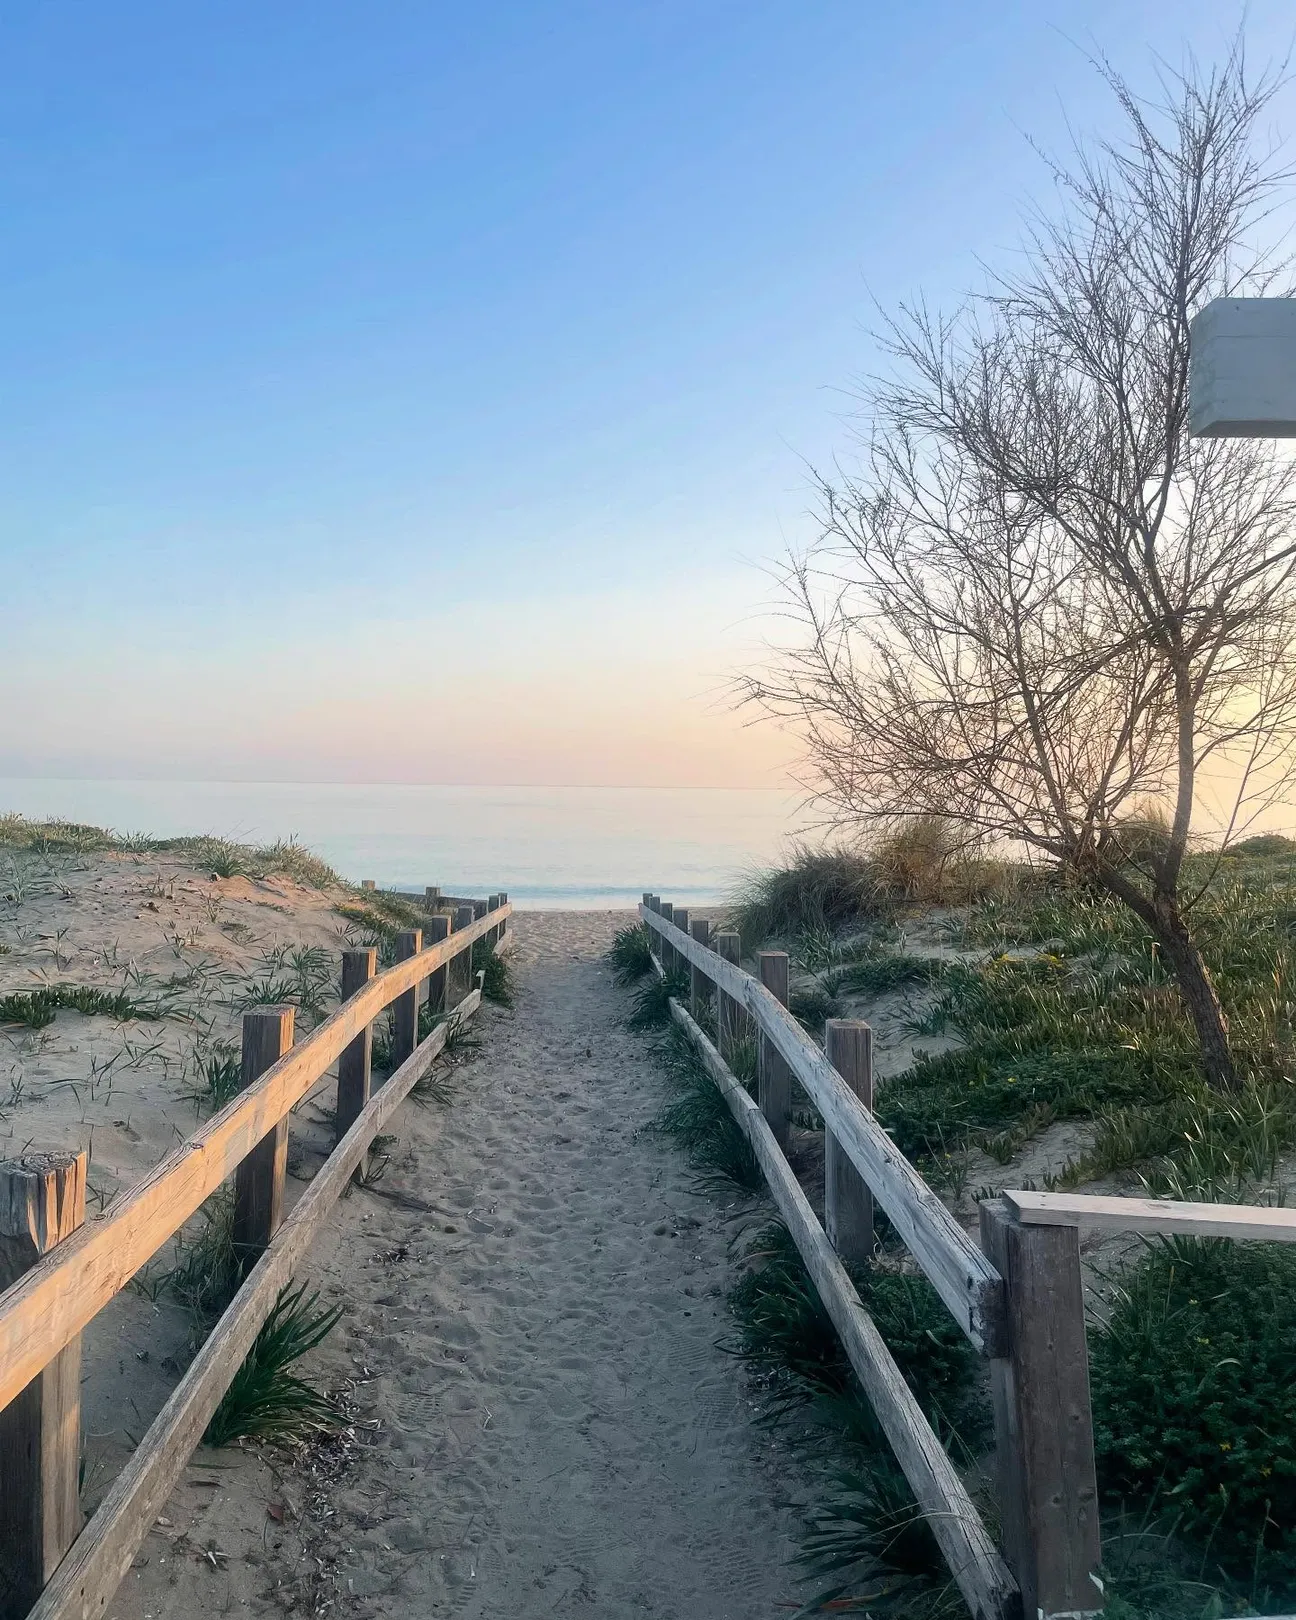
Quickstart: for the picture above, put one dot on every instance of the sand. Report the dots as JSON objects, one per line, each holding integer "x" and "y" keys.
{"x": 541, "y": 1419}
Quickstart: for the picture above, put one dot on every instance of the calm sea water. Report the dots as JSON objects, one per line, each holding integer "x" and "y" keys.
{"x": 557, "y": 847}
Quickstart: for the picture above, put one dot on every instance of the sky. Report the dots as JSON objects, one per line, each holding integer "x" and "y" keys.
{"x": 420, "y": 393}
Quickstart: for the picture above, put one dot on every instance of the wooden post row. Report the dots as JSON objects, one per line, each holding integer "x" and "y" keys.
{"x": 774, "y": 1077}
{"x": 699, "y": 985}
{"x": 42, "y": 1201}
{"x": 1048, "y": 1487}
{"x": 848, "y": 1203}
{"x": 259, "y": 1180}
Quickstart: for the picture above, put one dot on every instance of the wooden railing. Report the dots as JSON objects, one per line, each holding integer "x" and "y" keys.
{"x": 74, "y": 1266}
{"x": 861, "y": 1164}
{"x": 1019, "y": 1297}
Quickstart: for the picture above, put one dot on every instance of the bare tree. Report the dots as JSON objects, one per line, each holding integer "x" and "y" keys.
{"x": 1042, "y": 609}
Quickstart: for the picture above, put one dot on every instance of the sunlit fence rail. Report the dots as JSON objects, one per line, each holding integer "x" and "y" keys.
{"x": 58, "y": 1270}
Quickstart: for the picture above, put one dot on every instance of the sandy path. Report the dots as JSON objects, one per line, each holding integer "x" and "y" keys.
{"x": 557, "y": 1432}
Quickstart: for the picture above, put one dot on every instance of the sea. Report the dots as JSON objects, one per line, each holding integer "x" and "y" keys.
{"x": 555, "y": 847}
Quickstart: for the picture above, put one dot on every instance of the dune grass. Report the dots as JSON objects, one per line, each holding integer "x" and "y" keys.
{"x": 631, "y": 955}
{"x": 266, "y": 1400}
{"x": 220, "y": 856}
{"x": 497, "y": 977}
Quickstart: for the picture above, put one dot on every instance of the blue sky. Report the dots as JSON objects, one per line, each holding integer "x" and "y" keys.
{"x": 412, "y": 392}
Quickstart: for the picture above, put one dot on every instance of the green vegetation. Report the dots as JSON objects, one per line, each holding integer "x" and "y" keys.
{"x": 919, "y": 861}
{"x": 1085, "y": 1023}
{"x": 37, "y": 1008}
{"x": 698, "y": 1118}
{"x": 652, "y": 1001}
{"x": 285, "y": 858}
{"x": 266, "y": 1400}
{"x": 207, "y": 1270}
{"x": 497, "y": 980}
{"x": 219, "y": 1068}
{"x": 631, "y": 955}
{"x": 1194, "y": 1395}
{"x": 303, "y": 976}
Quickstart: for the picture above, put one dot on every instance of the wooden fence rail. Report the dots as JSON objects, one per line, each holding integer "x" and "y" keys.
{"x": 1017, "y": 1313}
{"x": 44, "y": 1311}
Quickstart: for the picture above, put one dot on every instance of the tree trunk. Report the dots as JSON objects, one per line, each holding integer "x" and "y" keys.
{"x": 1197, "y": 989}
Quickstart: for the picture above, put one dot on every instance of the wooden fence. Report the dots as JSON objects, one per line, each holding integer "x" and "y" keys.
{"x": 1019, "y": 1297}
{"x": 61, "y": 1269}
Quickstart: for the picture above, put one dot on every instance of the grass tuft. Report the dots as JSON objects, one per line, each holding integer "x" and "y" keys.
{"x": 652, "y": 1002}
{"x": 38, "y": 1008}
{"x": 266, "y": 1400}
{"x": 698, "y": 1118}
{"x": 631, "y": 955}
{"x": 497, "y": 979}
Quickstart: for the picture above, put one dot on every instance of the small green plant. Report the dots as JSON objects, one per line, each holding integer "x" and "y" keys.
{"x": 38, "y": 1008}
{"x": 266, "y": 1400}
{"x": 698, "y": 1118}
{"x": 219, "y": 1069}
{"x": 497, "y": 981}
{"x": 811, "y": 1007}
{"x": 207, "y": 1269}
{"x": 631, "y": 955}
{"x": 870, "y": 1534}
{"x": 652, "y": 1001}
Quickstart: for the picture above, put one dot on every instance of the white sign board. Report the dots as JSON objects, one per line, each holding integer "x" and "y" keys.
{"x": 1242, "y": 369}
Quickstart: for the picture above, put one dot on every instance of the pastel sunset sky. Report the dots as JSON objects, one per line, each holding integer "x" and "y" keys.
{"x": 416, "y": 392}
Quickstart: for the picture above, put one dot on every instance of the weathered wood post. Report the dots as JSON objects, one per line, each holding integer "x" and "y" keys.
{"x": 464, "y": 915}
{"x": 731, "y": 1020}
{"x": 678, "y": 963}
{"x": 369, "y": 884}
{"x": 493, "y": 904}
{"x": 355, "y": 1066}
{"x": 42, "y": 1201}
{"x": 653, "y": 902}
{"x": 774, "y": 1082}
{"x": 1048, "y": 1487}
{"x": 259, "y": 1179}
{"x": 432, "y": 896}
{"x": 669, "y": 955}
{"x": 699, "y": 984}
{"x": 409, "y": 942}
{"x": 848, "y": 1203}
{"x": 438, "y": 928}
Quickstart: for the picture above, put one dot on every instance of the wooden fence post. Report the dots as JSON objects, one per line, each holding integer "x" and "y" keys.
{"x": 669, "y": 955}
{"x": 504, "y": 900}
{"x": 679, "y": 964}
{"x": 369, "y": 884}
{"x": 1048, "y": 1488}
{"x": 699, "y": 984}
{"x": 432, "y": 896}
{"x": 848, "y": 1203}
{"x": 42, "y": 1201}
{"x": 355, "y": 1066}
{"x": 493, "y": 903}
{"x": 463, "y": 962}
{"x": 259, "y": 1179}
{"x": 409, "y": 942}
{"x": 774, "y": 1082}
{"x": 438, "y": 928}
{"x": 731, "y": 1019}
